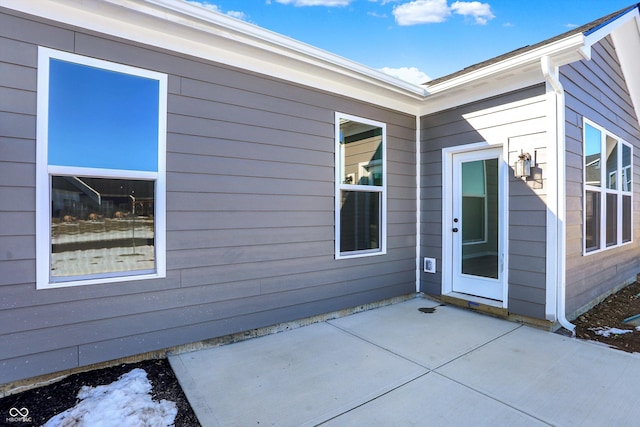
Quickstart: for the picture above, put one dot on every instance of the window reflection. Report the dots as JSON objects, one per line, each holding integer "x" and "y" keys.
{"x": 361, "y": 153}
{"x": 593, "y": 143}
{"x": 360, "y": 221}
{"x": 101, "y": 226}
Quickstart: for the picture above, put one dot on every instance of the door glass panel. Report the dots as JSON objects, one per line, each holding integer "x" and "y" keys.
{"x": 473, "y": 218}
{"x": 480, "y": 218}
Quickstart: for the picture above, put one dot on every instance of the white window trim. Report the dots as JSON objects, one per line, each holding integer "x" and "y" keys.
{"x": 340, "y": 186}
{"x": 44, "y": 171}
{"x": 603, "y": 191}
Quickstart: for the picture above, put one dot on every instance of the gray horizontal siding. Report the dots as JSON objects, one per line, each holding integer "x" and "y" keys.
{"x": 597, "y": 90}
{"x": 517, "y": 120}
{"x": 250, "y": 221}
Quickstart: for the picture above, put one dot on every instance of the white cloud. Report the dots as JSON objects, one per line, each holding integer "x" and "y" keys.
{"x": 215, "y": 8}
{"x": 409, "y": 74}
{"x": 330, "y": 3}
{"x": 204, "y": 4}
{"x": 237, "y": 15}
{"x": 481, "y": 12}
{"x": 436, "y": 11}
{"x": 422, "y": 12}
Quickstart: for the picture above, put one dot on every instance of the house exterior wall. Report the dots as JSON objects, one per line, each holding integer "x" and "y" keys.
{"x": 517, "y": 120}
{"x": 596, "y": 90}
{"x": 250, "y": 221}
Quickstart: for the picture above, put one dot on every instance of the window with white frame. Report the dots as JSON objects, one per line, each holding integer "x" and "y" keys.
{"x": 100, "y": 190}
{"x": 608, "y": 189}
{"x": 360, "y": 190}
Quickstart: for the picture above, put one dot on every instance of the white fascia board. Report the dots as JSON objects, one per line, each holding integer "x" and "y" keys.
{"x": 189, "y": 29}
{"x": 566, "y": 48}
{"x": 510, "y": 74}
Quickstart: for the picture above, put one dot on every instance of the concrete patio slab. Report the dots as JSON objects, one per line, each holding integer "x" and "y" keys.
{"x": 562, "y": 380}
{"x": 428, "y": 339}
{"x": 300, "y": 377}
{"x": 433, "y": 400}
{"x": 398, "y": 366}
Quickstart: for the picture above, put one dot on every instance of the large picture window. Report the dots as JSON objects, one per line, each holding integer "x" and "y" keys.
{"x": 100, "y": 191}
{"x": 608, "y": 189}
{"x": 360, "y": 186}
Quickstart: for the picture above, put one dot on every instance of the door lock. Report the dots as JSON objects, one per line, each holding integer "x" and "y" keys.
{"x": 455, "y": 229}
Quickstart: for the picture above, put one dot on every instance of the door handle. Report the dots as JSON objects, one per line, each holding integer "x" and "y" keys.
{"x": 455, "y": 229}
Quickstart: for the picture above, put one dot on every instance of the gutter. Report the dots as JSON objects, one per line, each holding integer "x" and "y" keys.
{"x": 552, "y": 78}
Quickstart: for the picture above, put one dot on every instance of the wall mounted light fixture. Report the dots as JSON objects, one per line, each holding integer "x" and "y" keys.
{"x": 523, "y": 166}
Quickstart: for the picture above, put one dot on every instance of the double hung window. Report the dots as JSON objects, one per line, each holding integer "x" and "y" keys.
{"x": 608, "y": 189}
{"x": 100, "y": 190}
{"x": 360, "y": 186}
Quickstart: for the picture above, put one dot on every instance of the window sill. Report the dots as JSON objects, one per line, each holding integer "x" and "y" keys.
{"x": 360, "y": 254}
{"x": 608, "y": 248}
{"x": 99, "y": 281}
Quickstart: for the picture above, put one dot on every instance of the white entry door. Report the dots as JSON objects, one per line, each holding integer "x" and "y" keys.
{"x": 477, "y": 224}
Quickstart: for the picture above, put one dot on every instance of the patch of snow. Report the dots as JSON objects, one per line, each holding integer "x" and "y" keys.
{"x": 125, "y": 402}
{"x": 607, "y": 332}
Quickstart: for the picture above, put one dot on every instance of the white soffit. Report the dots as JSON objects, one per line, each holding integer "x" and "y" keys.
{"x": 185, "y": 28}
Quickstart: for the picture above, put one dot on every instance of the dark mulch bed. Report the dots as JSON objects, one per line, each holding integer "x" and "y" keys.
{"x": 609, "y": 314}
{"x": 47, "y": 401}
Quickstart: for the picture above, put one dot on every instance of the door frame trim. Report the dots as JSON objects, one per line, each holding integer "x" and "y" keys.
{"x": 447, "y": 213}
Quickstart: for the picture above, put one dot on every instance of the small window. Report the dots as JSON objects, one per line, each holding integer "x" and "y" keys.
{"x": 360, "y": 187}
{"x": 101, "y": 171}
{"x": 607, "y": 189}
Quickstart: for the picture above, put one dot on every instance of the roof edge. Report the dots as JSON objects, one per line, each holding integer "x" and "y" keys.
{"x": 196, "y": 31}
{"x": 273, "y": 40}
{"x": 611, "y": 19}
{"x": 561, "y": 51}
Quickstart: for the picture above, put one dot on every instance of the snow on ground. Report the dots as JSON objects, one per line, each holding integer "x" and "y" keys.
{"x": 126, "y": 402}
{"x": 607, "y": 332}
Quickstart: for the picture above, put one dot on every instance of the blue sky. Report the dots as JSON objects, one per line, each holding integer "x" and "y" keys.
{"x": 414, "y": 38}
